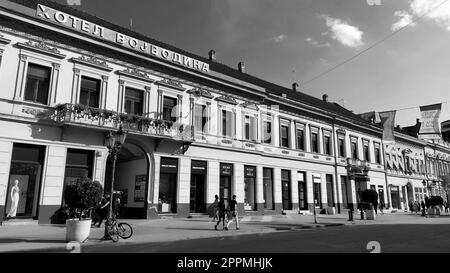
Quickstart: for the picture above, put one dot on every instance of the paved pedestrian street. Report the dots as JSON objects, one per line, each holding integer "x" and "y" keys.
{"x": 397, "y": 232}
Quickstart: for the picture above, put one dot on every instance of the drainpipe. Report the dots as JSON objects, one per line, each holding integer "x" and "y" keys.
{"x": 388, "y": 190}
{"x": 336, "y": 164}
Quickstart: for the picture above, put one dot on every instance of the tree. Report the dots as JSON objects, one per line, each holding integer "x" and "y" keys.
{"x": 82, "y": 195}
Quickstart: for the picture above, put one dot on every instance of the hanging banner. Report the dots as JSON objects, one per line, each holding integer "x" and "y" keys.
{"x": 430, "y": 121}
{"x": 388, "y": 121}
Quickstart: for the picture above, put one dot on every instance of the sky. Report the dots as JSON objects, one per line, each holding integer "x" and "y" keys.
{"x": 296, "y": 40}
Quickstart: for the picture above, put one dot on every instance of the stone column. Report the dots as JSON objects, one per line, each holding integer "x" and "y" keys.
{"x": 180, "y": 108}
{"x": 259, "y": 189}
{"x": 294, "y": 190}
{"x": 310, "y": 190}
{"x": 184, "y": 187}
{"x": 278, "y": 199}
{"x": 238, "y": 186}
{"x": 160, "y": 104}
{"x": 213, "y": 181}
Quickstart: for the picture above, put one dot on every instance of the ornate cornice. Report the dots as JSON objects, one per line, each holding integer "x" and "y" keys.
{"x": 227, "y": 99}
{"x": 198, "y": 92}
{"x": 41, "y": 47}
{"x": 136, "y": 73}
{"x": 93, "y": 62}
{"x": 172, "y": 84}
{"x": 4, "y": 41}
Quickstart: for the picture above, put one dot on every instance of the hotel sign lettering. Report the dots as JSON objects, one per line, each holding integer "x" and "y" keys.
{"x": 83, "y": 26}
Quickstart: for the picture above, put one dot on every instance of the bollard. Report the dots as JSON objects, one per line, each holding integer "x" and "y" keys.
{"x": 350, "y": 215}
{"x": 362, "y": 214}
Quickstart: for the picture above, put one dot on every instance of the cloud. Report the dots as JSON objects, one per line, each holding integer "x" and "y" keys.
{"x": 343, "y": 32}
{"x": 280, "y": 38}
{"x": 315, "y": 43}
{"x": 406, "y": 19}
{"x": 432, "y": 10}
{"x": 74, "y": 2}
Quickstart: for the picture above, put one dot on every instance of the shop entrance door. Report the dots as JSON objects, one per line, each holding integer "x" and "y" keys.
{"x": 197, "y": 200}
{"x": 26, "y": 170}
{"x": 226, "y": 174}
{"x": 286, "y": 189}
{"x": 395, "y": 196}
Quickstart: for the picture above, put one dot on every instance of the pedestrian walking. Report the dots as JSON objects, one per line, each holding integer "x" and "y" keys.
{"x": 215, "y": 208}
{"x": 221, "y": 213}
{"x": 382, "y": 206}
{"x": 233, "y": 213}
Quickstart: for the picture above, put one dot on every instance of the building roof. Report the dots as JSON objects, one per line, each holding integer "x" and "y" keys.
{"x": 270, "y": 88}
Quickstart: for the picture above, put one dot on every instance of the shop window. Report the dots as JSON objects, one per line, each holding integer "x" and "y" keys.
{"x": 330, "y": 190}
{"x": 250, "y": 188}
{"x": 134, "y": 101}
{"x": 286, "y": 189}
{"x": 38, "y": 83}
{"x": 90, "y": 92}
{"x": 317, "y": 195}
{"x": 268, "y": 189}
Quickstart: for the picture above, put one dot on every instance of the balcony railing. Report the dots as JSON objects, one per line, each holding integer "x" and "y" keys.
{"x": 92, "y": 117}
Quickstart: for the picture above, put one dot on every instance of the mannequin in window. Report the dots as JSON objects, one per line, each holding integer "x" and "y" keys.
{"x": 15, "y": 190}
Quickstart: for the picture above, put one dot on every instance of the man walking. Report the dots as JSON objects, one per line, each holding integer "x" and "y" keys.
{"x": 221, "y": 213}
{"x": 233, "y": 213}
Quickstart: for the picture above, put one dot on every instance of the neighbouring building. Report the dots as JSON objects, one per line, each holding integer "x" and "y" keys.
{"x": 195, "y": 127}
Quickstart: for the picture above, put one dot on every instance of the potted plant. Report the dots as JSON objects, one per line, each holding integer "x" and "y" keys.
{"x": 369, "y": 198}
{"x": 80, "y": 196}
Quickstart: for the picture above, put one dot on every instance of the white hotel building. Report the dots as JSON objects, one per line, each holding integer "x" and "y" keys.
{"x": 195, "y": 127}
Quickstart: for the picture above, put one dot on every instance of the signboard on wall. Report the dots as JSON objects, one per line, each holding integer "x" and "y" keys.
{"x": 139, "y": 188}
{"x": 109, "y": 35}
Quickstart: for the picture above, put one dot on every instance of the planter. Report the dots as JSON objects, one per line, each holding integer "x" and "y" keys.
{"x": 78, "y": 231}
{"x": 370, "y": 215}
{"x": 331, "y": 211}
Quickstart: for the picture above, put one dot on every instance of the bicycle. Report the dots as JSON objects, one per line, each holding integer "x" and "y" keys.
{"x": 116, "y": 230}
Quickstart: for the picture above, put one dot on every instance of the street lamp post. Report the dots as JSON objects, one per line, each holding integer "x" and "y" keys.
{"x": 114, "y": 142}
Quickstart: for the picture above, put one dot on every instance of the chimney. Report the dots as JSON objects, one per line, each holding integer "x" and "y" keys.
{"x": 295, "y": 87}
{"x": 212, "y": 55}
{"x": 241, "y": 67}
{"x": 325, "y": 98}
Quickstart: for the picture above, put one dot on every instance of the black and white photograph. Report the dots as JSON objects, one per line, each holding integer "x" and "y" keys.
{"x": 234, "y": 129}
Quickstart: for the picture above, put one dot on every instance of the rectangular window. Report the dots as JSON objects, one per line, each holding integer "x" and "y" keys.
{"x": 314, "y": 142}
{"x": 267, "y": 131}
{"x": 327, "y": 144}
{"x": 37, "y": 83}
{"x": 354, "y": 146}
{"x": 301, "y": 139}
{"x": 227, "y": 123}
{"x": 366, "y": 151}
{"x": 134, "y": 101}
{"x": 201, "y": 118}
{"x": 284, "y": 136}
{"x": 377, "y": 153}
{"x": 250, "y": 128}
{"x": 341, "y": 143}
{"x": 90, "y": 92}
{"x": 170, "y": 109}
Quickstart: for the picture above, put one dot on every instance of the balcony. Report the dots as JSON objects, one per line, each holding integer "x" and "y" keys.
{"x": 80, "y": 115}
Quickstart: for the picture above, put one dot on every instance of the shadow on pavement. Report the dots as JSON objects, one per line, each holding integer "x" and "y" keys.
{"x": 37, "y": 241}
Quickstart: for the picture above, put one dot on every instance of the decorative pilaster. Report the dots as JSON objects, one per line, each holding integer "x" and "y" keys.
{"x": 121, "y": 96}
{"x": 104, "y": 92}
{"x": 75, "y": 86}
{"x": 18, "y": 94}
{"x": 147, "y": 101}
{"x": 180, "y": 108}
{"x": 54, "y": 82}
{"x": 160, "y": 104}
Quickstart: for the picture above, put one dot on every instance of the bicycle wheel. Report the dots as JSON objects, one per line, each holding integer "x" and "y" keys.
{"x": 124, "y": 230}
{"x": 113, "y": 234}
